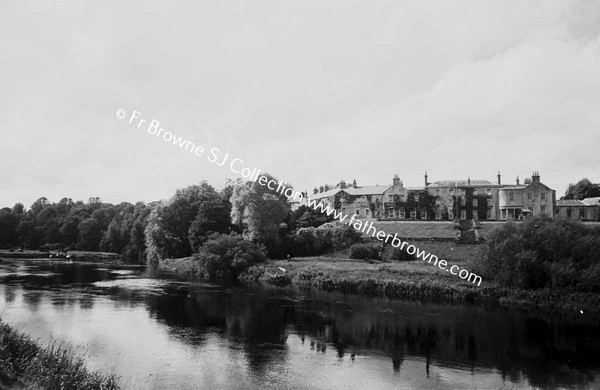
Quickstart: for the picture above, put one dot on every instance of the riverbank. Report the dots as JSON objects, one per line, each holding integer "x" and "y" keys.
{"x": 407, "y": 280}
{"x": 94, "y": 257}
{"x": 397, "y": 279}
{"x": 24, "y": 364}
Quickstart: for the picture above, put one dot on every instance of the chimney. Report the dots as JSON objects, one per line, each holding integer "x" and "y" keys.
{"x": 535, "y": 177}
{"x": 316, "y": 190}
{"x": 354, "y": 184}
{"x": 469, "y": 180}
{"x": 517, "y": 180}
{"x": 321, "y": 189}
{"x": 396, "y": 180}
{"x": 527, "y": 180}
{"x": 499, "y": 183}
{"x": 426, "y": 184}
{"x": 342, "y": 184}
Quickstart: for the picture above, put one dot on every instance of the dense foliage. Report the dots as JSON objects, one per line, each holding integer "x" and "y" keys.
{"x": 225, "y": 256}
{"x": 584, "y": 188}
{"x": 365, "y": 251}
{"x": 91, "y": 226}
{"x": 544, "y": 252}
{"x": 311, "y": 241}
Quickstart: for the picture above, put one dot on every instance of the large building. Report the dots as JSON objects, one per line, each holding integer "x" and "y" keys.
{"x": 530, "y": 198}
{"x": 440, "y": 200}
{"x": 587, "y": 209}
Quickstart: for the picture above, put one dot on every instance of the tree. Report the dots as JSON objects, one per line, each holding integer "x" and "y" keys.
{"x": 90, "y": 235}
{"x": 584, "y": 188}
{"x": 170, "y": 224}
{"x": 261, "y": 213}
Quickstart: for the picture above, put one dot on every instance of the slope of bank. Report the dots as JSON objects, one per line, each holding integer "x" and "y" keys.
{"x": 407, "y": 280}
{"x": 24, "y": 364}
{"x": 399, "y": 280}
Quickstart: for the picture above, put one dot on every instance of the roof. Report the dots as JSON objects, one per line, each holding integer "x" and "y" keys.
{"x": 591, "y": 201}
{"x": 520, "y": 187}
{"x": 462, "y": 183}
{"x": 325, "y": 194}
{"x": 368, "y": 190}
{"x": 569, "y": 202}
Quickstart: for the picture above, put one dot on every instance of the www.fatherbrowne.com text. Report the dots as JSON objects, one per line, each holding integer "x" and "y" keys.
{"x": 237, "y": 166}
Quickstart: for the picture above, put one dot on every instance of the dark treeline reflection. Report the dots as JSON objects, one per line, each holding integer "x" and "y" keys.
{"x": 544, "y": 349}
{"x": 549, "y": 349}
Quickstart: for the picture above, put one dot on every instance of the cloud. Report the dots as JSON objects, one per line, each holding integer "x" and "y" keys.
{"x": 310, "y": 92}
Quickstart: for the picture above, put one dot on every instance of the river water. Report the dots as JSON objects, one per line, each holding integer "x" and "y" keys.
{"x": 156, "y": 332}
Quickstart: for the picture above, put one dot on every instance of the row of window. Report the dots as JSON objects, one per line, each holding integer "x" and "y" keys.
{"x": 530, "y": 197}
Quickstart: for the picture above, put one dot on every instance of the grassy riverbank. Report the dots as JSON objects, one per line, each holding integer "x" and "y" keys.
{"x": 24, "y": 364}
{"x": 407, "y": 280}
{"x": 398, "y": 279}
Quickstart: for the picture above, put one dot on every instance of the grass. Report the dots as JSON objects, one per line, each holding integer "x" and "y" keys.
{"x": 24, "y": 364}
{"x": 410, "y": 280}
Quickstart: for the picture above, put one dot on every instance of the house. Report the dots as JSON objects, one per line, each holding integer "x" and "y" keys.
{"x": 441, "y": 200}
{"x": 465, "y": 199}
{"x": 528, "y": 199}
{"x": 584, "y": 210}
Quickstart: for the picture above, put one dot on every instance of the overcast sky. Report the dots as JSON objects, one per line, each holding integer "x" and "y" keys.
{"x": 310, "y": 91}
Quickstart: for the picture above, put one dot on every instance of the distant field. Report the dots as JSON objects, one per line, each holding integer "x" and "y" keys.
{"x": 428, "y": 229}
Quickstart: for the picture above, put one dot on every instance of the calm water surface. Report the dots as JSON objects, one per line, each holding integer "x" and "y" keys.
{"x": 159, "y": 333}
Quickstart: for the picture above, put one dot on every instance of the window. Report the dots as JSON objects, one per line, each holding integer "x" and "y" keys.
{"x": 402, "y": 214}
{"x": 542, "y": 196}
{"x": 416, "y": 197}
{"x": 489, "y": 214}
{"x": 357, "y": 212}
{"x": 474, "y": 202}
{"x": 437, "y": 192}
{"x": 463, "y": 214}
{"x": 402, "y": 198}
{"x": 367, "y": 212}
{"x": 543, "y": 208}
{"x": 391, "y": 198}
{"x": 413, "y": 214}
{"x": 474, "y": 216}
{"x": 438, "y": 215}
{"x": 529, "y": 196}
{"x": 511, "y": 197}
{"x": 582, "y": 213}
{"x": 569, "y": 213}
{"x": 463, "y": 201}
{"x": 450, "y": 215}
{"x": 489, "y": 191}
{"x": 475, "y": 192}
{"x": 390, "y": 213}
{"x": 489, "y": 202}
{"x": 423, "y": 214}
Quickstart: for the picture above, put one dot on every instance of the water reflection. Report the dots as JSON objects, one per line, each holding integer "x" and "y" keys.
{"x": 273, "y": 338}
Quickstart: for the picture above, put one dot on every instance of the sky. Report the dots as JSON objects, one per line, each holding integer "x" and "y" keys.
{"x": 310, "y": 91}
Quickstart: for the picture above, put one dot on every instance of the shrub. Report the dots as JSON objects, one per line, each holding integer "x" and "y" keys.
{"x": 225, "y": 256}
{"x": 398, "y": 255}
{"x": 342, "y": 236}
{"x": 544, "y": 252}
{"x": 362, "y": 251}
{"x": 311, "y": 241}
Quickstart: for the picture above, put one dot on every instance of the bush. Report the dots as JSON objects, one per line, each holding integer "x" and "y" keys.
{"x": 365, "y": 251}
{"x": 311, "y": 241}
{"x": 542, "y": 252}
{"x": 398, "y": 255}
{"x": 225, "y": 256}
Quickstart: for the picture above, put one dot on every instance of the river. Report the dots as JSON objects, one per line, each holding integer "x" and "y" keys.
{"x": 157, "y": 332}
